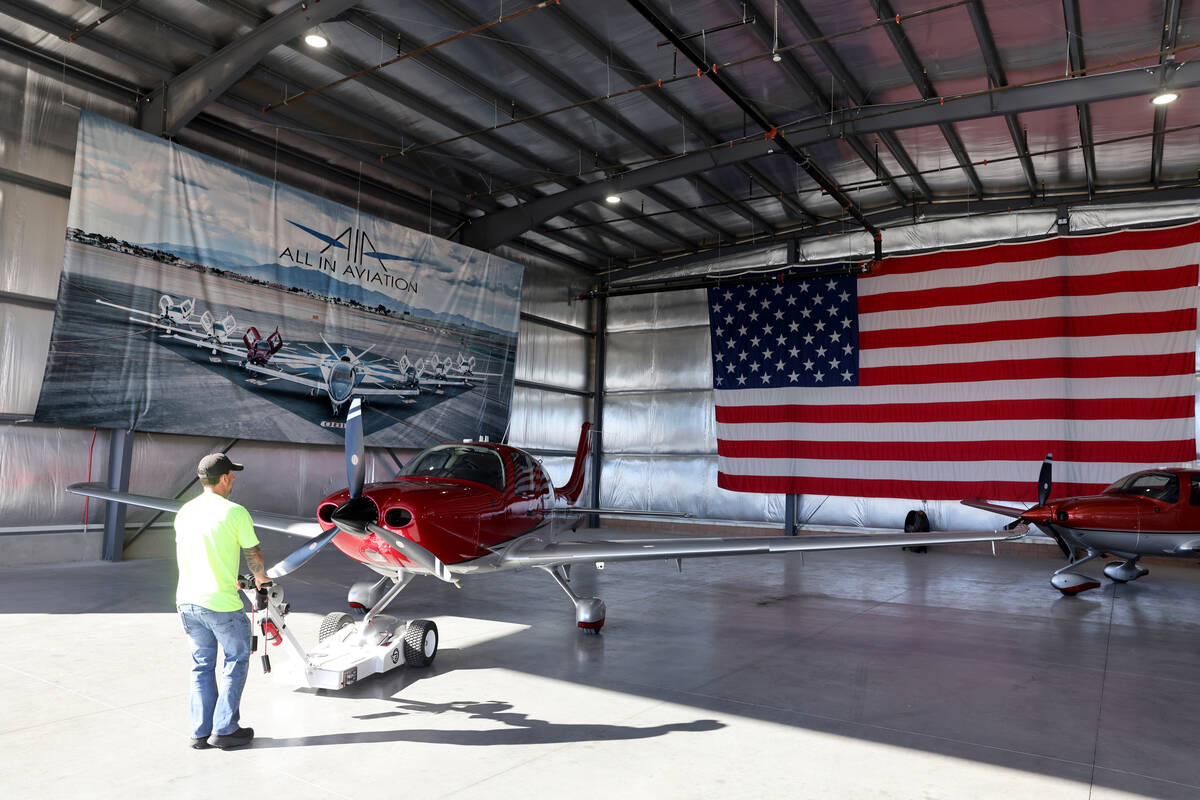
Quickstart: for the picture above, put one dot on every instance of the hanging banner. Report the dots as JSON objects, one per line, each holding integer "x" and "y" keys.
{"x": 203, "y": 299}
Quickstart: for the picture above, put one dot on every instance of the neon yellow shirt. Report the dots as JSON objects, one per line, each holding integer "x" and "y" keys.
{"x": 210, "y": 533}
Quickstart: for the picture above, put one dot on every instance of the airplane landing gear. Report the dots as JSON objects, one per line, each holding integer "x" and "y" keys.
{"x": 589, "y": 611}
{"x": 1124, "y": 571}
{"x": 1072, "y": 583}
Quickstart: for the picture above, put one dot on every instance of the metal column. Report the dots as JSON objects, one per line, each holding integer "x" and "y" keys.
{"x": 789, "y": 514}
{"x": 120, "y": 456}
{"x": 598, "y": 406}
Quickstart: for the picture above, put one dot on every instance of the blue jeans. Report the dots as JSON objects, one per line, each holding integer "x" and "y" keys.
{"x": 212, "y": 712}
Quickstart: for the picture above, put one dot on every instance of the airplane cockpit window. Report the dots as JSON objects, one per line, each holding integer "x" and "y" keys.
{"x": 1162, "y": 486}
{"x": 526, "y": 474}
{"x": 1194, "y": 494}
{"x": 461, "y": 462}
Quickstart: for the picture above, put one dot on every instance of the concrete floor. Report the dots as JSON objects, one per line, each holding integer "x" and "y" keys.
{"x": 840, "y": 675}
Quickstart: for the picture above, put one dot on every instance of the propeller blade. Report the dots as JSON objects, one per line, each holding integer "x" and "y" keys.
{"x": 301, "y": 556}
{"x": 356, "y": 467}
{"x": 1044, "y": 481}
{"x": 415, "y": 553}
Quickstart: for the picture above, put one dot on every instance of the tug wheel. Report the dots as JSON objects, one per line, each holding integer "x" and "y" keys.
{"x": 420, "y": 643}
{"x": 333, "y": 622}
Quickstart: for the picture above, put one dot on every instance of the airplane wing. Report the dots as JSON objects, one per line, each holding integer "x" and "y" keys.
{"x": 287, "y": 376}
{"x": 296, "y": 526}
{"x": 536, "y": 552}
{"x": 975, "y": 502}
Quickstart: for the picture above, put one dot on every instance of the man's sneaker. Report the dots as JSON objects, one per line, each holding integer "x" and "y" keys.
{"x": 239, "y": 738}
{"x": 200, "y": 743}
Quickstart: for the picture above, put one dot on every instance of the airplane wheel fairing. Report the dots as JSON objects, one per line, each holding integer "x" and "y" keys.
{"x": 420, "y": 643}
{"x": 333, "y": 622}
{"x": 1072, "y": 583}
{"x": 1124, "y": 571}
{"x": 589, "y": 614}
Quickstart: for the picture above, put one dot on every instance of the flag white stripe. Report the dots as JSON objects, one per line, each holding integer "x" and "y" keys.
{"x": 1100, "y": 430}
{"x": 1039, "y": 308}
{"x": 936, "y": 471}
{"x": 1015, "y": 389}
{"x": 1153, "y": 344}
{"x": 1021, "y": 271}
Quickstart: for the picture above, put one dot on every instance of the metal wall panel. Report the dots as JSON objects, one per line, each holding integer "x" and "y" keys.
{"x": 657, "y": 311}
{"x": 552, "y": 356}
{"x": 681, "y": 483}
{"x": 1085, "y": 218}
{"x": 544, "y": 420}
{"x": 660, "y": 423}
{"x": 37, "y": 463}
{"x": 649, "y": 360}
{"x": 549, "y": 289}
{"x": 33, "y": 228}
{"x": 24, "y": 342}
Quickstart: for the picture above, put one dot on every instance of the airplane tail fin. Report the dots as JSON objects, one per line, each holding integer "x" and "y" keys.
{"x": 573, "y": 488}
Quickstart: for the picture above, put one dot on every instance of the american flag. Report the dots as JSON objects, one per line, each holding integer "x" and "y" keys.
{"x": 952, "y": 374}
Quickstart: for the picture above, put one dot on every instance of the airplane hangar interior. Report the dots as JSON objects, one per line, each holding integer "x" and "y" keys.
{"x": 843, "y": 350}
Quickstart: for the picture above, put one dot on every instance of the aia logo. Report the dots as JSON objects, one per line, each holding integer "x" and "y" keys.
{"x": 354, "y": 243}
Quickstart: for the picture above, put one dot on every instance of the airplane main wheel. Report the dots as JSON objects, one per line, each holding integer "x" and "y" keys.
{"x": 333, "y": 622}
{"x": 420, "y": 643}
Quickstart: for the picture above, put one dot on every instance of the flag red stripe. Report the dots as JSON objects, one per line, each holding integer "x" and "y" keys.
{"x": 1183, "y": 319}
{"x": 1015, "y": 291}
{"x": 1031, "y": 369}
{"x": 1054, "y": 408}
{"x": 1012, "y": 491}
{"x": 1031, "y": 451}
{"x": 1047, "y": 248}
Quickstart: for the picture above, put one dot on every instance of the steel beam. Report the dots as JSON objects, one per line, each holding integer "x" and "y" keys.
{"x": 917, "y": 73}
{"x": 664, "y": 27}
{"x": 601, "y": 350}
{"x": 572, "y": 92}
{"x": 120, "y": 457}
{"x": 185, "y": 96}
{"x": 829, "y": 57}
{"x": 1169, "y": 35}
{"x": 1076, "y": 63}
{"x": 493, "y": 229}
{"x": 995, "y": 71}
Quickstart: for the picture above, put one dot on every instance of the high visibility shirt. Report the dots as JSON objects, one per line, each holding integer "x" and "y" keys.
{"x": 210, "y": 533}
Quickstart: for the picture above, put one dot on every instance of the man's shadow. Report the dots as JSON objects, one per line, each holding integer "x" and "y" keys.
{"x": 518, "y": 728}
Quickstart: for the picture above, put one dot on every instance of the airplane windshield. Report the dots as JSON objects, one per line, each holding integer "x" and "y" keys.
{"x": 461, "y": 462}
{"x": 1157, "y": 485}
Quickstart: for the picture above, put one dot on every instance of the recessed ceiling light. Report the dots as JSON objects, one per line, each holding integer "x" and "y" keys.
{"x": 613, "y": 199}
{"x": 1162, "y": 98}
{"x": 315, "y": 39}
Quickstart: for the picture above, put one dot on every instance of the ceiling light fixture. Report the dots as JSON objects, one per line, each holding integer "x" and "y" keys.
{"x": 315, "y": 38}
{"x": 613, "y": 199}
{"x": 1164, "y": 97}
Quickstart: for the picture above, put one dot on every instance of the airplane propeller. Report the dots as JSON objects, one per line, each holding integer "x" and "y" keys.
{"x": 1045, "y": 482}
{"x": 359, "y": 515}
{"x": 1044, "y": 479}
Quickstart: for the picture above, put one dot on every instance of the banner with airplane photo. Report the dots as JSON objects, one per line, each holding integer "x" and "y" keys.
{"x": 199, "y": 298}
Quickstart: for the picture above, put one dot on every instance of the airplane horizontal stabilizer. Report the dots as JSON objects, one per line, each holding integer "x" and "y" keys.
{"x": 975, "y": 502}
{"x": 296, "y": 526}
{"x": 534, "y": 552}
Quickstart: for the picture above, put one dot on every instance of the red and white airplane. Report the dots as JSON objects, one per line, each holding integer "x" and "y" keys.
{"x": 1150, "y": 513}
{"x": 460, "y": 510}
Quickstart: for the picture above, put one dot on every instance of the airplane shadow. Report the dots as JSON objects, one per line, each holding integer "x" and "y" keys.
{"x": 520, "y": 729}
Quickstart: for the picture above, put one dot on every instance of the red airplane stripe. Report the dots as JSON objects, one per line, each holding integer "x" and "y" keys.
{"x": 1015, "y": 291}
{"x": 1031, "y": 451}
{"x": 1031, "y": 369}
{"x": 1183, "y": 319}
{"x": 1048, "y": 248}
{"x": 1052, "y": 408}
